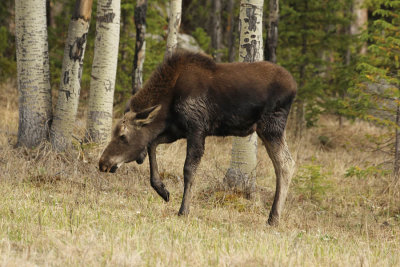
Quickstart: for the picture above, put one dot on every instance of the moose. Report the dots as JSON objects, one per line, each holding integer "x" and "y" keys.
{"x": 190, "y": 96}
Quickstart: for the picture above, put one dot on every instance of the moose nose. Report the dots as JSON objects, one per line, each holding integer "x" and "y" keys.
{"x": 102, "y": 166}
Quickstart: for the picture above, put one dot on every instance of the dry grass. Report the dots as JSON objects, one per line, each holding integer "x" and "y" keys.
{"x": 57, "y": 209}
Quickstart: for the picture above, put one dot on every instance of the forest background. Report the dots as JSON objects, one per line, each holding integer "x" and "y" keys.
{"x": 344, "y": 205}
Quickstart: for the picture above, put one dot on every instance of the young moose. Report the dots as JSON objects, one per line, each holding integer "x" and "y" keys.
{"x": 190, "y": 96}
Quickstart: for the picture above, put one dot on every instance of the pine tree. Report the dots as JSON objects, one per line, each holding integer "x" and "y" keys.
{"x": 312, "y": 45}
{"x": 376, "y": 96}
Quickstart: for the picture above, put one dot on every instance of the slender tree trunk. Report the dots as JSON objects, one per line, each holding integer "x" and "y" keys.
{"x": 230, "y": 31}
{"x": 360, "y": 14}
{"x": 241, "y": 173}
{"x": 70, "y": 86}
{"x": 123, "y": 32}
{"x": 300, "y": 105}
{"x": 216, "y": 30}
{"x": 396, "y": 169}
{"x": 32, "y": 72}
{"x": 140, "y": 47}
{"x": 48, "y": 13}
{"x": 173, "y": 26}
{"x": 272, "y": 37}
{"x": 104, "y": 68}
{"x": 347, "y": 58}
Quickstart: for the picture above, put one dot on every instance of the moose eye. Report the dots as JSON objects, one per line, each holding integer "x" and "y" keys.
{"x": 123, "y": 138}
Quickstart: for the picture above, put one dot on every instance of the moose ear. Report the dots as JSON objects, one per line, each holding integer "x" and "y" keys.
{"x": 129, "y": 116}
{"x": 147, "y": 116}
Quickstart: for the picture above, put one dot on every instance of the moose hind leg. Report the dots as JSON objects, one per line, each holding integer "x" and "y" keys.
{"x": 195, "y": 150}
{"x": 284, "y": 166}
{"x": 271, "y": 129}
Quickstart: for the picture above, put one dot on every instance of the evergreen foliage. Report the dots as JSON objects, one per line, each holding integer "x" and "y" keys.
{"x": 7, "y": 41}
{"x": 375, "y": 96}
{"x": 313, "y": 45}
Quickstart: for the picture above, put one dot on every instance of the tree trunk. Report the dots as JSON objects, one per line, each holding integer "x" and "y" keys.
{"x": 173, "y": 26}
{"x": 241, "y": 173}
{"x": 360, "y": 14}
{"x": 300, "y": 105}
{"x": 272, "y": 37}
{"x": 70, "y": 86}
{"x": 231, "y": 33}
{"x": 396, "y": 169}
{"x": 216, "y": 30}
{"x": 104, "y": 68}
{"x": 140, "y": 47}
{"x": 48, "y": 13}
{"x": 32, "y": 72}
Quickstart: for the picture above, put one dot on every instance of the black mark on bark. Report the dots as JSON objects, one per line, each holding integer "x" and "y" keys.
{"x": 67, "y": 94}
{"x": 251, "y": 18}
{"x": 76, "y": 49}
{"x": 66, "y": 77}
{"x": 108, "y": 85}
{"x": 108, "y": 4}
{"x": 107, "y": 18}
{"x": 251, "y": 51}
{"x": 80, "y": 72}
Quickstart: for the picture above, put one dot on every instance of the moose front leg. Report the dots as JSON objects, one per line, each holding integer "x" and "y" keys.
{"x": 155, "y": 180}
{"x": 195, "y": 150}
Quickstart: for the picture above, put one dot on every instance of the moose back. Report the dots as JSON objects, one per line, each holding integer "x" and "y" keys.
{"x": 190, "y": 96}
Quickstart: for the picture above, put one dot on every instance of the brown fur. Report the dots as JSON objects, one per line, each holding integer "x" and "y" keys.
{"x": 190, "y": 96}
{"x": 161, "y": 82}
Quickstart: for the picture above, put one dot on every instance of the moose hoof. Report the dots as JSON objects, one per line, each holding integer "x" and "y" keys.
{"x": 273, "y": 220}
{"x": 183, "y": 212}
{"x": 164, "y": 194}
{"x": 161, "y": 191}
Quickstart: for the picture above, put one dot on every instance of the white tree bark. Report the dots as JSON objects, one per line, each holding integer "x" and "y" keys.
{"x": 230, "y": 28}
{"x": 104, "y": 68}
{"x": 140, "y": 47}
{"x": 32, "y": 72}
{"x": 273, "y": 20}
{"x": 241, "y": 173}
{"x": 360, "y": 13}
{"x": 68, "y": 95}
{"x": 217, "y": 30}
{"x": 173, "y": 26}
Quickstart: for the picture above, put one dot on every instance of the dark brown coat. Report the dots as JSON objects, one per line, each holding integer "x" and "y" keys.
{"x": 190, "y": 96}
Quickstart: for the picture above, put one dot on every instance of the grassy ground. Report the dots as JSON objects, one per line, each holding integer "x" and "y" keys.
{"x": 57, "y": 209}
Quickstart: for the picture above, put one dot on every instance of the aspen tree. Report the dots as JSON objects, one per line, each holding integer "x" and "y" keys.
{"x": 33, "y": 73}
{"x": 140, "y": 46}
{"x": 70, "y": 85}
{"x": 230, "y": 30}
{"x": 360, "y": 14}
{"x": 241, "y": 173}
{"x": 104, "y": 68}
{"x": 272, "y": 39}
{"x": 173, "y": 26}
{"x": 217, "y": 30}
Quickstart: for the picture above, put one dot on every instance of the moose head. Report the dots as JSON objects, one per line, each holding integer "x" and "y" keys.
{"x": 129, "y": 140}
